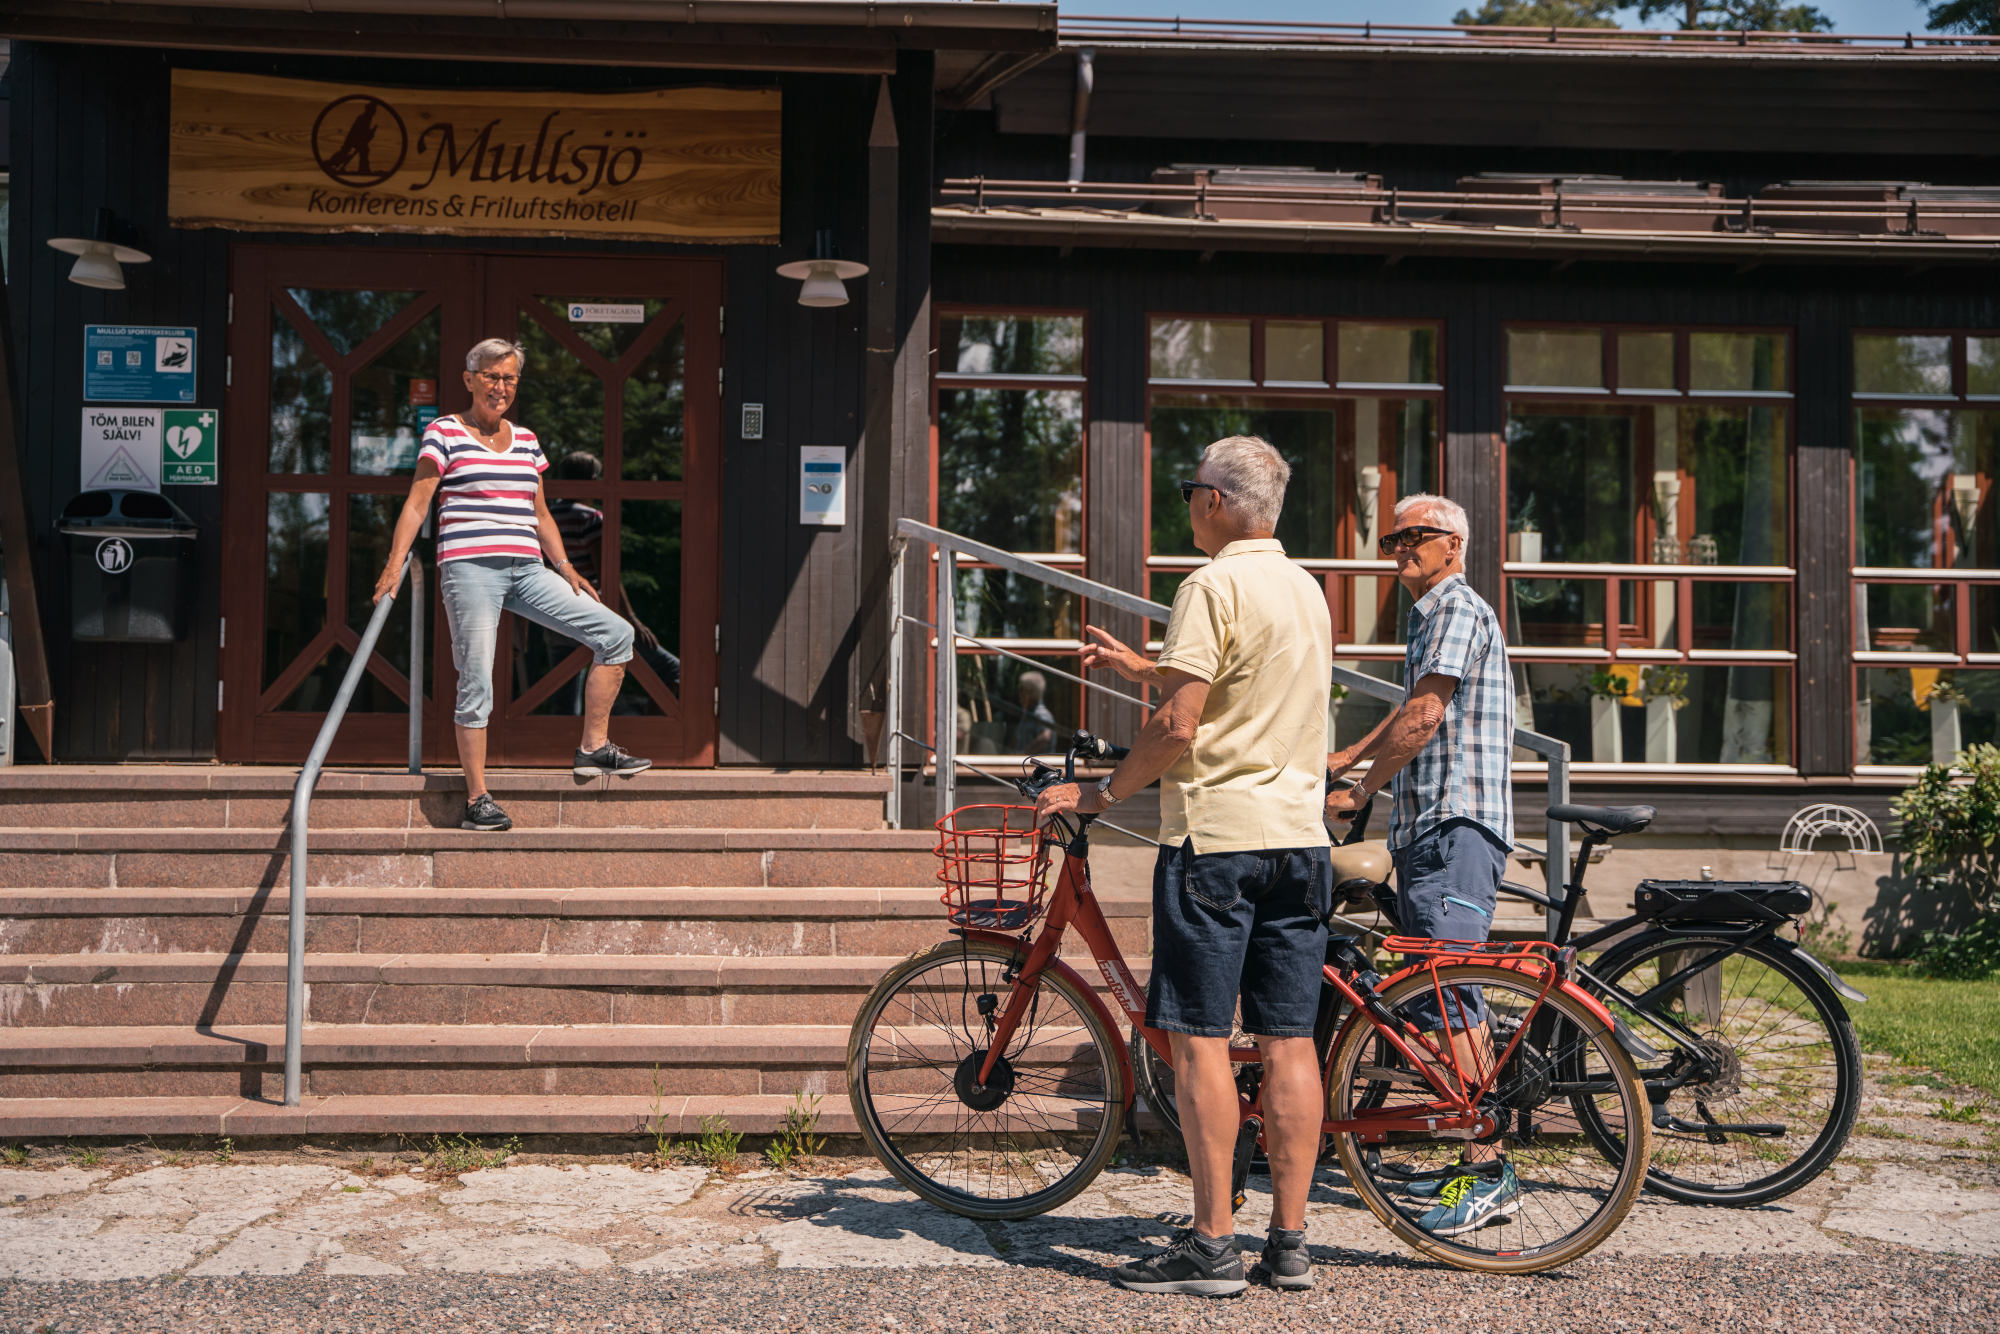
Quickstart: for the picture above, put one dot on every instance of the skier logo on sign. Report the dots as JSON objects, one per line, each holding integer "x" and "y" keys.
{"x": 114, "y": 555}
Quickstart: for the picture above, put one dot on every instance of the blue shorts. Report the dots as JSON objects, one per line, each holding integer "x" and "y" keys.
{"x": 1447, "y": 883}
{"x": 1230, "y": 924}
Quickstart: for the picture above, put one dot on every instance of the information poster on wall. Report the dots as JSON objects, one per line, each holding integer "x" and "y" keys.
{"x": 822, "y": 485}
{"x": 121, "y": 449}
{"x": 138, "y": 363}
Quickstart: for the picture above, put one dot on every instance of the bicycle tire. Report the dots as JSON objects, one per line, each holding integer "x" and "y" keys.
{"x": 1697, "y": 1169}
{"x": 1568, "y": 1205}
{"x": 1046, "y": 1135}
{"x": 1153, "y": 1076}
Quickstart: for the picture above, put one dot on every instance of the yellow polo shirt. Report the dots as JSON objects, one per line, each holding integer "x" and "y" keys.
{"x": 1255, "y": 627}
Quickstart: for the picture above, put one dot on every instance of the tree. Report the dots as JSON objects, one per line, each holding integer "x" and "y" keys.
{"x": 1972, "y": 17}
{"x": 1541, "y": 14}
{"x": 1739, "y": 15}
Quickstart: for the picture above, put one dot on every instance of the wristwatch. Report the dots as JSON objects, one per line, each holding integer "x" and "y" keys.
{"x": 1104, "y": 792}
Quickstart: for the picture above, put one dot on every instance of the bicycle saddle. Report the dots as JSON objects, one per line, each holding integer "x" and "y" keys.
{"x": 1606, "y": 820}
{"x": 1368, "y": 863}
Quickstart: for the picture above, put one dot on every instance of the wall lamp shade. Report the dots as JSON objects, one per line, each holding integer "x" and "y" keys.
{"x": 97, "y": 261}
{"x": 824, "y": 285}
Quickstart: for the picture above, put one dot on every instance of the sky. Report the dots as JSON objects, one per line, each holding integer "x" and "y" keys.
{"x": 1861, "y": 16}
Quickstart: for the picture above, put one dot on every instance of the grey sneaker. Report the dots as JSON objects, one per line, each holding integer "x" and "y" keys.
{"x": 1286, "y": 1263}
{"x": 1187, "y": 1269}
{"x": 611, "y": 758}
{"x": 484, "y": 813}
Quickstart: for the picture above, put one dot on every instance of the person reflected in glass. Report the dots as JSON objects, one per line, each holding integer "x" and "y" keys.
{"x": 1036, "y": 732}
{"x": 582, "y": 529}
{"x": 494, "y": 530}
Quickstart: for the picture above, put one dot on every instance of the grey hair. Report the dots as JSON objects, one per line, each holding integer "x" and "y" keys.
{"x": 1252, "y": 474}
{"x": 1448, "y": 513}
{"x": 491, "y": 350}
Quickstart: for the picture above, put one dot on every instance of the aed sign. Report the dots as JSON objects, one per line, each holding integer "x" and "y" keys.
{"x": 258, "y": 153}
{"x": 822, "y": 485}
{"x": 188, "y": 446}
{"x": 138, "y": 363}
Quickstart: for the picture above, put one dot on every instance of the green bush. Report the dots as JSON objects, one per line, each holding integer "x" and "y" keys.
{"x": 1968, "y": 954}
{"x": 1950, "y": 829}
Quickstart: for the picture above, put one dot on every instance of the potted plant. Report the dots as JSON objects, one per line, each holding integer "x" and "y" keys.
{"x": 1524, "y": 537}
{"x": 1608, "y": 687}
{"x": 1664, "y": 688}
{"x": 1942, "y": 701}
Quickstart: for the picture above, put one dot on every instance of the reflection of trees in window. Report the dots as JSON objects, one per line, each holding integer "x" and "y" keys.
{"x": 1905, "y": 461}
{"x": 1735, "y": 459}
{"x": 1571, "y": 476}
{"x": 1000, "y": 604}
{"x": 295, "y": 576}
{"x": 301, "y": 403}
{"x": 560, "y": 399}
{"x": 1181, "y": 431}
{"x": 1010, "y": 467}
{"x": 1012, "y": 344}
{"x": 653, "y": 432}
{"x": 1894, "y": 726}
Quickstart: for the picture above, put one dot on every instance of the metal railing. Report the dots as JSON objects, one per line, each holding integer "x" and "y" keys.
{"x": 950, "y": 548}
{"x": 302, "y": 795}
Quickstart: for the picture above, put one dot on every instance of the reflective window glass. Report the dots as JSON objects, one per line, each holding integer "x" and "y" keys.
{"x": 1387, "y": 354}
{"x": 1010, "y": 467}
{"x": 1737, "y": 362}
{"x": 1200, "y": 350}
{"x": 1008, "y": 707}
{"x": 1660, "y": 713}
{"x": 998, "y": 604}
{"x": 295, "y": 583}
{"x": 1377, "y": 609}
{"x": 1295, "y": 353}
{"x": 347, "y": 318}
{"x": 1982, "y": 367}
{"x": 1555, "y": 358}
{"x": 610, "y": 325}
{"x": 1183, "y": 426}
{"x": 390, "y": 402}
{"x": 1556, "y": 613}
{"x": 301, "y": 403}
{"x": 653, "y": 432}
{"x": 1569, "y": 481}
{"x": 649, "y": 596}
{"x": 1013, "y": 344}
{"x": 1742, "y": 615}
{"x": 560, "y": 399}
{"x": 1923, "y": 715}
{"x": 1902, "y": 364}
{"x": 1355, "y": 715}
{"x": 1924, "y": 488}
{"x": 1905, "y": 618}
{"x": 1646, "y": 361}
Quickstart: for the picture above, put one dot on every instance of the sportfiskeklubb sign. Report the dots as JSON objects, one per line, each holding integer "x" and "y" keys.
{"x": 253, "y": 152}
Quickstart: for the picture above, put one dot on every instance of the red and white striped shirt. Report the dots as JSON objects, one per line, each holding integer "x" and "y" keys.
{"x": 488, "y": 498}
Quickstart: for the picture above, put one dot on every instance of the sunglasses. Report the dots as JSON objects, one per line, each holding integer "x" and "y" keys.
{"x": 1409, "y": 539}
{"x": 1188, "y": 489}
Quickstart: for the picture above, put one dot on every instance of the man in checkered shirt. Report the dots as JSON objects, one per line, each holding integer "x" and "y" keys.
{"x": 1445, "y": 755}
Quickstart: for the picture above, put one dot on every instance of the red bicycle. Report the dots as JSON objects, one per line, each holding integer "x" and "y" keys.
{"x": 991, "y": 1079}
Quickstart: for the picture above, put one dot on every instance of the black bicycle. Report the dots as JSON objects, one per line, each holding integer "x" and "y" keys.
{"x": 1758, "y": 1079}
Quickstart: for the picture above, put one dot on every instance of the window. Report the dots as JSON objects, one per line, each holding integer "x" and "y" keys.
{"x": 1353, "y": 405}
{"x": 1926, "y": 561}
{"x": 1648, "y": 545}
{"x": 1010, "y": 467}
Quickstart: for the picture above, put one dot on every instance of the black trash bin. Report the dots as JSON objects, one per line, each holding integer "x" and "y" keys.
{"x": 131, "y": 567}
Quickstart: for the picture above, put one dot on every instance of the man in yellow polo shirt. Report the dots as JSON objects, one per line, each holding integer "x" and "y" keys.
{"x": 1243, "y": 884}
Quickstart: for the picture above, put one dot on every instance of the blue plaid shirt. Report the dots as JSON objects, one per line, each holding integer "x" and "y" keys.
{"x": 1461, "y": 773}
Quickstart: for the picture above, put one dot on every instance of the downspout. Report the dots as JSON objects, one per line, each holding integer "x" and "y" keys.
{"x": 1086, "y": 61}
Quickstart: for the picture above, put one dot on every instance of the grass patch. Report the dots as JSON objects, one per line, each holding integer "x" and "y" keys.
{"x": 1942, "y": 1025}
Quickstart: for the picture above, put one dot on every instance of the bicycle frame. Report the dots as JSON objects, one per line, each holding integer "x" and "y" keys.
{"x": 1072, "y": 904}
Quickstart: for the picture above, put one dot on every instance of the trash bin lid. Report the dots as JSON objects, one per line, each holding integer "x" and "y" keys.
{"x": 125, "y": 514}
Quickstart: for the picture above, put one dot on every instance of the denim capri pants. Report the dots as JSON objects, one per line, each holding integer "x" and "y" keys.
{"x": 477, "y": 589}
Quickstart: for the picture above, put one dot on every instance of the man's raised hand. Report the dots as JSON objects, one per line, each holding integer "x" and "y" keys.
{"x": 1108, "y": 652}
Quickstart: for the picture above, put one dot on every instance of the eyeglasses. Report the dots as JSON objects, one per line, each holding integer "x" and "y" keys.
{"x": 499, "y": 381}
{"x": 1409, "y": 539}
{"x": 1189, "y": 488}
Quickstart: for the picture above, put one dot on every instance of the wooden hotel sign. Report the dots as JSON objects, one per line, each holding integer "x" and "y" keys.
{"x": 257, "y": 153}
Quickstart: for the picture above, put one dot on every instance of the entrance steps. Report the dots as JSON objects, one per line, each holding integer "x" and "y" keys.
{"x": 657, "y": 949}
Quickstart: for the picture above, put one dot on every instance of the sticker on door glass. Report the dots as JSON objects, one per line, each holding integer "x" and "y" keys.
{"x": 822, "y": 485}
{"x": 607, "y": 312}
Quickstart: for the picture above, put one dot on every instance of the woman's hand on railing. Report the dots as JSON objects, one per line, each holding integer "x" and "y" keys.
{"x": 1108, "y": 652}
{"x": 392, "y": 575}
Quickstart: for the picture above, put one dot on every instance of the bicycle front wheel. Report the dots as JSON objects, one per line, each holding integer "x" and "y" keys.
{"x": 1559, "y": 1196}
{"x": 1786, "y": 1080}
{"x": 1031, "y": 1138}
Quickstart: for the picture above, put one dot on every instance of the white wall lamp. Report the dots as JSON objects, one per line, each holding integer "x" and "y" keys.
{"x": 98, "y": 258}
{"x": 823, "y": 273}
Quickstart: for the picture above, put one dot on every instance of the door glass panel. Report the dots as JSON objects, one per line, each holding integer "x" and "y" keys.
{"x": 654, "y": 433}
{"x": 560, "y": 399}
{"x": 538, "y": 650}
{"x": 348, "y": 318}
{"x": 301, "y": 403}
{"x": 610, "y": 324}
{"x": 535, "y": 652}
{"x": 295, "y": 573}
{"x": 315, "y": 693}
{"x": 391, "y": 401}
{"x": 649, "y": 594}
{"x": 371, "y": 523}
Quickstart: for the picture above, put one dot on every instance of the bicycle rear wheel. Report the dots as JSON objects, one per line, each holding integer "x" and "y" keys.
{"x": 1788, "y": 1062}
{"x": 1569, "y": 1197}
{"x": 1040, "y": 1130}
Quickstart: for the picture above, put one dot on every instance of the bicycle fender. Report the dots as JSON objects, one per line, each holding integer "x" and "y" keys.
{"x": 1635, "y": 1046}
{"x": 1088, "y": 992}
{"x": 1833, "y": 979}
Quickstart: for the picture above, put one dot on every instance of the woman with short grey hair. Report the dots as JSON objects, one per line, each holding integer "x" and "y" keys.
{"x": 494, "y": 528}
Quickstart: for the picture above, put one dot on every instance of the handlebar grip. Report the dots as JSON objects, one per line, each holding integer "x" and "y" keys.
{"x": 1107, "y": 751}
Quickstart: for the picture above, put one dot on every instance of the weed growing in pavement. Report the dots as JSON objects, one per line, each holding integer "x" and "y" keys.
{"x": 718, "y": 1143}
{"x": 171, "y": 1157}
{"x": 665, "y": 1151}
{"x": 225, "y": 1153}
{"x": 87, "y": 1156}
{"x": 14, "y": 1154}
{"x": 795, "y": 1136}
{"x": 465, "y": 1154}
{"x": 1970, "y": 1114}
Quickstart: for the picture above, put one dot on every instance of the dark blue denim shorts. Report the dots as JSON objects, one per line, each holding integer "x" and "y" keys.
{"x": 1447, "y": 882}
{"x": 1229, "y": 924}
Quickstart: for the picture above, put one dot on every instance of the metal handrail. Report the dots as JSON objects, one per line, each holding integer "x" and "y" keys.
{"x": 950, "y": 547}
{"x": 302, "y": 795}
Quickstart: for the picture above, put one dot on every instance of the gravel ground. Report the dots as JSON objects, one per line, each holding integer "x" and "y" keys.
{"x": 1871, "y": 1290}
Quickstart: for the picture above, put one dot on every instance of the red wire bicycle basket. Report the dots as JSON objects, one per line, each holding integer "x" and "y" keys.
{"x": 994, "y": 867}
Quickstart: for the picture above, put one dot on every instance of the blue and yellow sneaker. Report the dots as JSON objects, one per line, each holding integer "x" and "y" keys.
{"x": 1430, "y": 1187}
{"x": 1469, "y": 1203}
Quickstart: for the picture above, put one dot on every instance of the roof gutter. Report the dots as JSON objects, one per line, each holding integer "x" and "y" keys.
{"x": 788, "y": 13}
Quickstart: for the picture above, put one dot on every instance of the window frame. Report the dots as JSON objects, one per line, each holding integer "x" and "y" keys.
{"x": 1961, "y": 580}
{"x": 1334, "y": 574}
{"x": 1683, "y": 576}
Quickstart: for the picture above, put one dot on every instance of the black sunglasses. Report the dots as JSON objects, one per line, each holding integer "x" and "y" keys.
{"x": 1409, "y": 539}
{"x": 1189, "y": 488}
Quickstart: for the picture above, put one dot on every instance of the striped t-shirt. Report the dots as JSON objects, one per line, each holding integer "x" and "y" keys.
{"x": 488, "y": 499}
